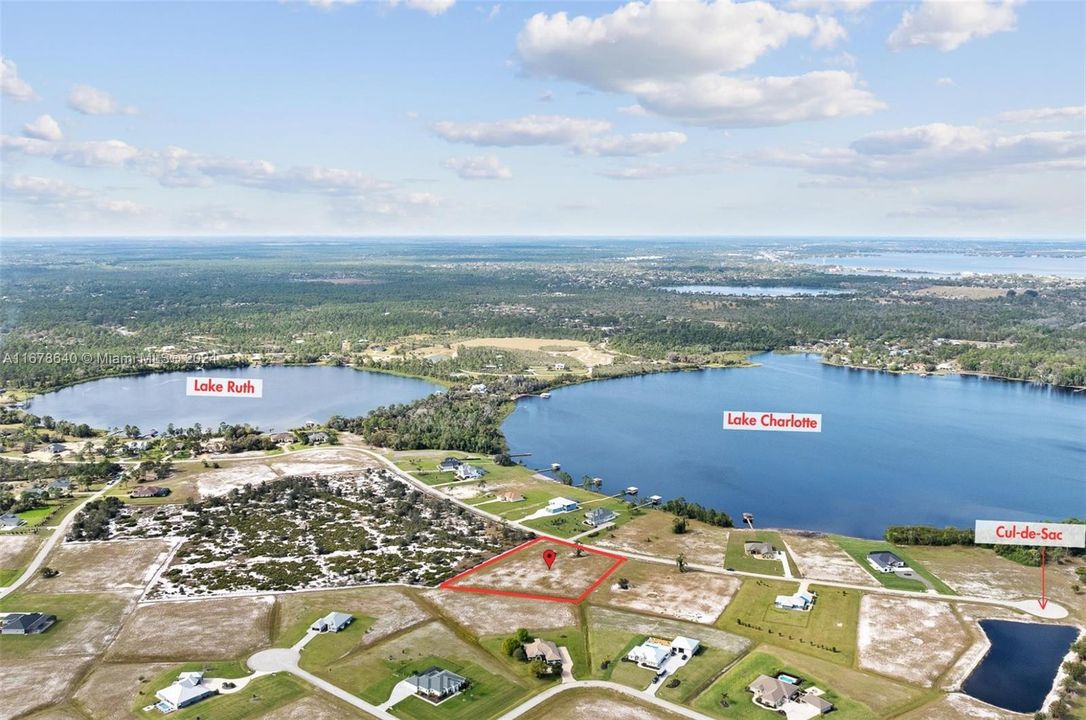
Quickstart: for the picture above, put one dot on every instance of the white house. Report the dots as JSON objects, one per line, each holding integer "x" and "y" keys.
{"x": 188, "y": 689}
{"x": 650, "y": 654}
{"x": 799, "y": 601}
{"x": 333, "y": 622}
{"x": 685, "y": 646}
{"x": 561, "y": 505}
{"x": 599, "y": 516}
{"x": 469, "y": 472}
{"x": 478, "y": 388}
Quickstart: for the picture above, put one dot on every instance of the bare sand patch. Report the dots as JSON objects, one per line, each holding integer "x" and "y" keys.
{"x": 663, "y": 590}
{"x": 820, "y": 558}
{"x": 496, "y": 615}
{"x": 960, "y": 707}
{"x": 16, "y": 551}
{"x": 220, "y": 629}
{"x": 32, "y": 684}
{"x": 961, "y": 292}
{"x": 319, "y": 461}
{"x": 58, "y": 712}
{"x": 122, "y": 566}
{"x": 110, "y": 689}
{"x": 917, "y": 640}
{"x": 578, "y": 349}
{"x": 525, "y": 571}
{"x": 314, "y": 708}
{"x": 222, "y": 480}
{"x": 651, "y": 534}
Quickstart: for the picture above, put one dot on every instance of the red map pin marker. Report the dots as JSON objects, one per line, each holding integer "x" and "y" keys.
{"x": 549, "y": 557}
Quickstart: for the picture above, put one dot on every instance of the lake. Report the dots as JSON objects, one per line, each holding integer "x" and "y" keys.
{"x": 957, "y": 264}
{"x": 1018, "y": 671}
{"x": 292, "y": 395}
{"x": 895, "y": 449}
{"x": 751, "y": 291}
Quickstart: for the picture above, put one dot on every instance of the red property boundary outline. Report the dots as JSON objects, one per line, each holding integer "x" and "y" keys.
{"x": 451, "y": 583}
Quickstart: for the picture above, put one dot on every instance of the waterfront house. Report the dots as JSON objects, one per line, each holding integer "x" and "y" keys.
{"x": 885, "y": 561}
{"x": 333, "y": 622}
{"x": 771, "y": 692}
{"x": 437, "y": 684}
{"x": 799, "y": 601}
{"x": 30, "y": 623}
{"x": 469, "y": 472}
{"x": 544, "y": 650}
{"x": 449, "y": 464}
{"x": 650, "y": 654}
{"x": 599, "y": 516}
{"x": 561, "y": 505}
{"x": 761, "y": 549}
{"x": 9, "y": 520}
{"x": 188, "y": 690}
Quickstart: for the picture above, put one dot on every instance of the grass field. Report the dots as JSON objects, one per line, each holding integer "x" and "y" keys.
{"x": 696, "y": 675}
{"x": 571, "y": 638}
{"x": 255, "y": 700}
{"x": 596, "y": 704}
{"x": 828, "y": 630}
{"x": 735, "y": 557}
{"x": 487, "y": 695}
{"x": 733, "y": 687}
{"x": 38, "y": 515}
{"x": 858, "y": 550}
{"x": 8, "y": 576}
{"x": 326, "y": 648}
{"x": 85, "y": 623}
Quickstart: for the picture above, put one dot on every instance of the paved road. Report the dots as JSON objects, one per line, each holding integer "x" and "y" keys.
{"x": 58, "y": 534}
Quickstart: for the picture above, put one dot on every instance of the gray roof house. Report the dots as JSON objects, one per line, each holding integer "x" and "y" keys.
{"x": 599, "y": 516}
{"x": 758, "y": 548}
{"x": 437, "y": 684}
{"x": 333, "y": 622}
{"x": 545, "y": 650}
{"x": 7, "y": 520}
{"x": 885, "y": 561}
{"x": 26, "y": 623}
{"x": 60, "y": 485}
{"x": 771, "y": 692}
{"x": 318, "y": 437}
{"x": 57, "y": 448}
{"x": 469, "y": 472}
{"x": 817, "y": 702}
{"x": 449, "y": 464}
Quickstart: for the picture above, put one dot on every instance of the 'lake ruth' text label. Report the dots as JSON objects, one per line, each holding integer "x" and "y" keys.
{"x": 224, "y": 387}
{"x": 781, "y": 422}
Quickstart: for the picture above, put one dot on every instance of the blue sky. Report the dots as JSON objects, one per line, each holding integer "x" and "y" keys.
{"x": 442, "y": 117}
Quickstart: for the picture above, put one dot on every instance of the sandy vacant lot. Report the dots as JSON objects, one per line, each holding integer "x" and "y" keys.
{"x": 124, "y": 566}
{"x": 580, "y": 351}
{"x": 221, "y": 629}
{"x": 820, "y": 558}
{"x": 34, "y": 684}
{"x": 17, "y": 550}
{"x": 651, "y": 534}
{"x": 660, "y": 627}
{"x": 109, "y": 690}
{"x": 525, "y": 571}
{"x": 496, "y": 615}
{"x": 694, "y": 596}
{"x": 961, "y": 292}
{"x": 960, "y": 707}
{"x": 596, "y": 705}
{"x": 916, "y": 640}
{"x": 321, "y": 461}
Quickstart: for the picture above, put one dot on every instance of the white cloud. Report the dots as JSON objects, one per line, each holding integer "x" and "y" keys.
{"x": 41, "y": 190}
{"x": 12, "y": 85}
{"x": 937, "y": 150}
{"x": 945, "y": 82}
{"x": 431, "y": 7}
{"x": 530, "y": 130}
{"x": 494, "y": 10}
{"x": 44, "y": 128}
{"x": 634, "y": 109}
{"x": 831, "y": 6}
{"x": 1046, "y": 114}
{"x": 92, "y": 101}
{"x": 658, "y": 171}
{"x": 478, "y": 167}
{"x": 949, "y": 24}
{"x": 634, "y": 145}
{"x": 96, "y": 153}
{"x": 329, "y": 4}
{"x": 957, "y": 209}
{"x": 671, "y": 57}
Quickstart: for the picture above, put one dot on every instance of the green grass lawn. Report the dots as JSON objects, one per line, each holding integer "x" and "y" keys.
{"x": 733, "y": 686}
{"x": 858, "y": 550}
{"x": 326, "y": 648}
{"x": 571, "y": 638}
{"x": 37, "y": 516}
{"x": 256, "y": 699}
{"x": 695, "y": 676}
{"x": 736, "y": 557}
{"x": 827, "y": 631}
{"x": 10, "y": 575}
{"x": 78, "y": 618}
{"x": 612, "y": 646}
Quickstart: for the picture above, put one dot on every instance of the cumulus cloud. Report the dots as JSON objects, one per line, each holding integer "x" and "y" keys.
{"x": 949, "y": 24}
{"x": 529, "y": 130}
{"x": 92, "y": 101}
{"x": 12, "y": 85}
{"x": 431, "y": 7}
{"x": 478, "y": 167}
{"x": 636, "y": 144}
{"x": 1041, "y": 115}
{"x": 671, "y": 57}
{"x": 937, "y": 150}
{"x": 41, "y": 190}
{"x": 44, "y": 128}
{"x": 831, "y": 6}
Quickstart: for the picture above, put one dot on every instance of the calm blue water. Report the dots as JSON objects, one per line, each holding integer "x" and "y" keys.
{"x": 895, "y": 449}
{"x": 758, "y": 291}
{"x": 1018, "y": 671}
{"x": 292, "y": 395}
{"x": 956, "y": 264}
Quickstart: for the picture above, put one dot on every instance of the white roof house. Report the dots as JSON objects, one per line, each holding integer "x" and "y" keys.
{"x": 685, "y": 645}
{"x": 649, "y": 654}
{"x": 561, "y": 504}
{"x": 465, "y": 471}
{"x": 799, "y": 601}
{"x": 333, "y": 622}
{"x": 188, "y": 689}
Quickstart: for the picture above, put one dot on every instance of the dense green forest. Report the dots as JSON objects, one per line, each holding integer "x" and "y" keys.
{"x": 1025, "y": 555}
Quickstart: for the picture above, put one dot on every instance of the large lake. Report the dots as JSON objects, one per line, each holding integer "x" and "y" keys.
{"x": 1018, "y": 671}
{"x": 942, "y": 450}
{"x": 957, "y": 264}
{"x": 292, "y": 395}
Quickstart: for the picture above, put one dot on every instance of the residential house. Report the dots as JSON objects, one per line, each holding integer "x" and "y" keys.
{"x": 449, "y": 464}
{"x": 437, "y": 684}
{"x": 8, "y": 520}
{"x": 282, "y": 437}
{"x": 333, "y": 622}
{"x": 599, "y": 516}
{"x": 136, "y": 445}
{"x": 57, "y": 448}
{"x": 684, "y": 646}
{"x": 763, "y": 549}
{"x": 148, "y": 491}
{"x": 559, "y": 366}
{"x": 799, "y": 601}
{"x": 771, "y": 692}
{"x": 544, "y": 650}
{"x": 478, "y": 388}
{"x": 315, "y": 438}
{"x": 651, "y": 654}
{"x": 469, "y": 472}
{"x": 31, "y": 623}
{"x": 188, "y": 690}
{"x": 561, "y": 505}
{"x": 884, "y": 561}
{"x": 817, "y": 702}
{"x": 60, "y": 486}
{"x": 216, "y": 446}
